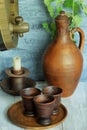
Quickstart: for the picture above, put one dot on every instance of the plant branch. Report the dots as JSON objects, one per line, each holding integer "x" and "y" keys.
{"x": 73, "y": 8}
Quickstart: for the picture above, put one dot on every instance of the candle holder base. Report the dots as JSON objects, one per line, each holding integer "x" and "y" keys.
{"x": 6, "y": 86}
{"x": 16, "y": 81}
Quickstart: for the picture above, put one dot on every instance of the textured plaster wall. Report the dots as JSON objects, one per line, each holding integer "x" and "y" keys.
{"x": 31, "y": 47}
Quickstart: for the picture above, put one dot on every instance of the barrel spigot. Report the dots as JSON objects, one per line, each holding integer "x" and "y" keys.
{"x": 20, "y": 27}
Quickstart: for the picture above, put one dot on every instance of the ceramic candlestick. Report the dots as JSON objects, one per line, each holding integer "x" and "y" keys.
{"x": 16, "y": 78}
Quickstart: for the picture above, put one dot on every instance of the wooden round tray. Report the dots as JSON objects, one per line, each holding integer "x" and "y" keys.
{"x": 6, "y": 86}
{"x": 15, "y": 114}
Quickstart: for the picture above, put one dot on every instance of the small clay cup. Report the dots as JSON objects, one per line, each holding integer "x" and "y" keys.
{"x": 27, "y": 95}
{"x": 56, "y": 93}
{"x": 44, "y": 105}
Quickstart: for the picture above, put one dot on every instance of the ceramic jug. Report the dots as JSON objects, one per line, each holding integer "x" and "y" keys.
{"x": 62, "y": 60}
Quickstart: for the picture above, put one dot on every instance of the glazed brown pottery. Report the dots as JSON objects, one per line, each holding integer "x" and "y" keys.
{"x": 17, "y": 83}
{"x": 17, "y": 78}
{"x": 8, "y": 87}
{"x": 16, "y": 116}
{"x": 27, "y": 95}
{"x": 62, "y": 60}
{"x": 56, "y": 92}
{"x": 44, "y": 105}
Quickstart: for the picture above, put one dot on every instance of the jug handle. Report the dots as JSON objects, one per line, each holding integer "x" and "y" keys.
{"x": 82, "y": 37}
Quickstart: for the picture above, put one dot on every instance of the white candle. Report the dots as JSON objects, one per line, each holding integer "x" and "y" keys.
{"x": 17, "y": 63}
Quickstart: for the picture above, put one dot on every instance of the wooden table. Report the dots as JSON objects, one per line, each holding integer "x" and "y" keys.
{"x": 76, "y": 106}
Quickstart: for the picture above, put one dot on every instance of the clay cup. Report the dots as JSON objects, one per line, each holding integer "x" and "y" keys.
{"x": 44, "y": 105}
{"x": 56, "y": 93}
{"x": 27, "y": 95}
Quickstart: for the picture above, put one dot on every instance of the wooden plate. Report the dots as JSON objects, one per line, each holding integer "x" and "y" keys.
{"x": 5, "y": 85}
{"x": 15, "y": 114}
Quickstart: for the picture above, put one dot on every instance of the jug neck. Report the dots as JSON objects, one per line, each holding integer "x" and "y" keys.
{"x": 63, "y": 32}
{"x": 62, "y": 25}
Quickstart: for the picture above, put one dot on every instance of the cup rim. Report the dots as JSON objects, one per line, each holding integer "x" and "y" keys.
{"x": 43, "y": 104}
{"x": 29, "y": 96}
{"x": 51, "y": 86}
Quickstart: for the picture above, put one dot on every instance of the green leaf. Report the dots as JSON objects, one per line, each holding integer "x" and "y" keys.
{"x": 51, "y": 11}
{"x": 58, "y": 2}
{"x": 76, "y": 7}
{"x": 48, "y": 2}
{"x": 58, "y": 10}
{"x": 81, "y": 1}
{"x": 72, "y": 23}
{"x": 46, "y": 26}
{"x": 85, "y": 9}
{"x": 68, "y": 3}
{"x": 78, "y": 19}
{"x": 73, "y": 9}
{"x": 53, "y": 26}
